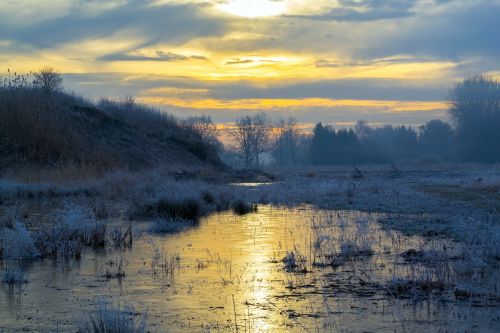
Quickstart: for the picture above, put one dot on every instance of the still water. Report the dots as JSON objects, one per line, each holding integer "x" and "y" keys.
{"x": 227, "y": 275}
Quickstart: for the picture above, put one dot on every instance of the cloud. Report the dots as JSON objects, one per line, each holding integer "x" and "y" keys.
{"x": 461, "y": 31}
{"x": 330, "y": 101}
{"x": 325, "y": 63}
{"x": 322, "y": 63}
{"x": 363, "y": 89}
{"x": 153, "y": 22}
{"x": 253, "y": 59}
{"x": 239, "y": 61}
{"x": 340, "y": 51}
{"x": 364, "y": 10}
{"x": 158, "y": 56}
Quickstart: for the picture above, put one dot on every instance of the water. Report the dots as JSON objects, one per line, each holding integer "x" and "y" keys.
{"x": 227, "y": 275}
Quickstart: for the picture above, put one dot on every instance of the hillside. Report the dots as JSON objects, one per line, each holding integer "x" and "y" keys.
{"x": 64, "y": 130}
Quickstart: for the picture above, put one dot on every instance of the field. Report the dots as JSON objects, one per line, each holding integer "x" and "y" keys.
{"x": 381, "y": 248}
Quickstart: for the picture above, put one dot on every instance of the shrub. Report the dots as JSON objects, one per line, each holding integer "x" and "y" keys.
{"x": 187, "y": 209}
{"x": 241, "y": 207}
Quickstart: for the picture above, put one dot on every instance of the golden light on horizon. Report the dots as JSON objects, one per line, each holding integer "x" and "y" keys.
{"x": 268, "y": 104}
{"x": 253, "y": 8}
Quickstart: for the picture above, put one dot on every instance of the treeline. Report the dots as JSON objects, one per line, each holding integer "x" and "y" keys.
{"x": 365, "y": 144}
{"x": 472, "y": 136}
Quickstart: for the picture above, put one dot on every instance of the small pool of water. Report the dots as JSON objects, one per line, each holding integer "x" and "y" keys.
{"x": 227, "y": 275}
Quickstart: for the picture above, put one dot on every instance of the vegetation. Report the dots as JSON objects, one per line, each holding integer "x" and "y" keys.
{"x": 171, "y": 208}
{"x": 471, "y": 137}
{"x": 475, "y": 110}
{"x": 251, "y": 134}
{"x": 241, "y": 207}
{"x": 41, "y": 126}
{"x": 109, "y": 318}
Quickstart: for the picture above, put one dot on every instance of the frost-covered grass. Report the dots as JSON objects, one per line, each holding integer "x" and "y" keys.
{"x": 63, "y": 239}
{"x": 433, "y": 202}
{"x": 294, "y": 261}
{"x": 337, "y": 240}
{"x": 109, "y": 318}
{"x": 67, "y": 238}
{"x": 17, "y": 243}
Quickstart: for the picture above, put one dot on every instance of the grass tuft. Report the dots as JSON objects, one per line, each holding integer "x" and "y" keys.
{"x": 109, "y": 318}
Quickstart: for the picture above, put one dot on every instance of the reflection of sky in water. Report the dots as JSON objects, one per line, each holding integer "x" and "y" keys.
{"x": 238, "y": 257}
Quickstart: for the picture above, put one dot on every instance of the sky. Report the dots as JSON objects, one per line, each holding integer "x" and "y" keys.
{"x": 335, "y": 61}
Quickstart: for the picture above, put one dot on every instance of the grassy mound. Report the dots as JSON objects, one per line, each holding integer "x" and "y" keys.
{"x": 60, "y": 130}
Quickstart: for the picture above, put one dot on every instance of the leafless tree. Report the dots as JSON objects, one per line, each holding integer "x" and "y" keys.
{"x": 251, "y": 134}
{"x": 285, "y": 137}
{"x": 49, "y": 80}
{"x": 204, "y": 126}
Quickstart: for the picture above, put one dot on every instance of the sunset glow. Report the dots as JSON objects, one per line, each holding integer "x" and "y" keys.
{"x": 294, "y": 57}
{"x": 253, "y": 8}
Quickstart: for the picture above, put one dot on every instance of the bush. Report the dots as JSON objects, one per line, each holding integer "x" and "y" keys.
{"x": 241, "y": 207}
{"x": 187, "y": 209}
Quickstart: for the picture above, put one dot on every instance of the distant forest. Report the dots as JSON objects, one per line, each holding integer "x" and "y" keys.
{"x": 473, "y": 135}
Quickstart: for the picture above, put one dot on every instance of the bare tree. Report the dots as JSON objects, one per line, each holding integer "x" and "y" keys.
{"x": 49, "y": 80}
{"x": 285, "y": 135}
{"x": 251, "y": 134}
{"x": 262, "y": 128}
{"x": 204, "y": 126}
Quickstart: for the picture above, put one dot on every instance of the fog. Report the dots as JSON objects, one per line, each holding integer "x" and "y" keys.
{"x": 471, "y": 136}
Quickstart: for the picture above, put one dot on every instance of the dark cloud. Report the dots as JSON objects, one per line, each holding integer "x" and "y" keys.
{"x": 376, "y": 89}
{"x": 159, "y": 56}
{"x": 375, "y": 62}
{"x": 365, "y": 10}
{"x": 461, "y": 32}
{"x": 152, "y": 22}
{"x": 238, "y": 61}
{"x": 366, "y": 89}
{"x": 326, "y": 63}
{"x": 119, "y": 85}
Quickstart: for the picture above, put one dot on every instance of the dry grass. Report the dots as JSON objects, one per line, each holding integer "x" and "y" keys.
{"x": 62, "y": 135}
